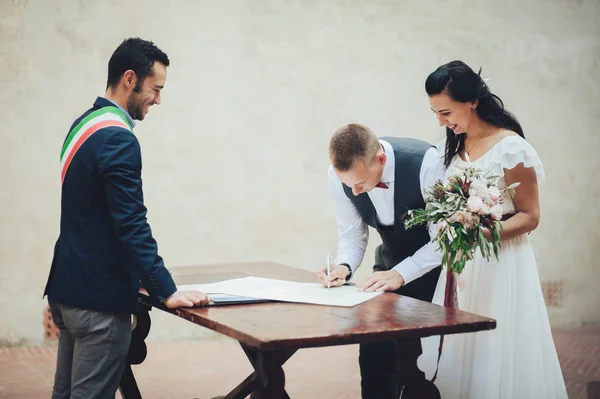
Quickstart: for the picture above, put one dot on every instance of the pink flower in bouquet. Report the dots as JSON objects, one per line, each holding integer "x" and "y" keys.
{"x": 496, "y": 212}
{"x": 479, "y": 189}
{"x": 494, "y": 193}
{"x": 484, "y": 210}
{"x": 474, "y": 204}
{"x": 467, "y": 219}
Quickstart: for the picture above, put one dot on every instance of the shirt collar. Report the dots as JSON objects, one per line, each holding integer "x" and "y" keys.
{"x": 388, "y": 174}
{"x": 129, "y": 118}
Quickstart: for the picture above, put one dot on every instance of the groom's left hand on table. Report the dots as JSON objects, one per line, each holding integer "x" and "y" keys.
{"x": 389, "y": 280}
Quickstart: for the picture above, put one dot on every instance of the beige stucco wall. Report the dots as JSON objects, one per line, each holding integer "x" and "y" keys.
{"x": 235, "y": 158}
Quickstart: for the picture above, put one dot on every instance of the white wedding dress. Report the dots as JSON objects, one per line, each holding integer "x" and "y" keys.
{"x": 518, "y": 359}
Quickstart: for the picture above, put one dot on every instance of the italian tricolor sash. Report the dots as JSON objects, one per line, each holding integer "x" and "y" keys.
{"x": 104, "y": 117}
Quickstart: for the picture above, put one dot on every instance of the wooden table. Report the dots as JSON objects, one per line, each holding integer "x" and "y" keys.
{"x": 270, "y": 333}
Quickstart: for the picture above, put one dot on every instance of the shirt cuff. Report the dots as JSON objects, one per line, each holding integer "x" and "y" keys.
{"x": 408, "y": 269}
{"x": 351, "y": 264}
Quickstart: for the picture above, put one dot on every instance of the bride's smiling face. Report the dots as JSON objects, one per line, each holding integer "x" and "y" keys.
{"x": 453, "y": 114}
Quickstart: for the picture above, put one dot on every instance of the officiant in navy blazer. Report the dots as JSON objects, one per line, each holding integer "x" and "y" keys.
{"x": 105, "y": 245}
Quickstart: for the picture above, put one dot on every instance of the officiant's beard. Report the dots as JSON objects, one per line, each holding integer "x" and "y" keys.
{"x": 138, "y": 105}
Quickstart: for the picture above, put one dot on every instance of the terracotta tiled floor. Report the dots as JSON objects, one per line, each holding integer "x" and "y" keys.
{"x": 207, "y": 368}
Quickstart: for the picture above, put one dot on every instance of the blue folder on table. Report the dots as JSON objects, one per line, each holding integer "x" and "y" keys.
{"x": 225, "y": 299}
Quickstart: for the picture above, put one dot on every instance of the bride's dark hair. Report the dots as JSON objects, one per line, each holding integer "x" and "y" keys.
{"x": 462, "y": 84}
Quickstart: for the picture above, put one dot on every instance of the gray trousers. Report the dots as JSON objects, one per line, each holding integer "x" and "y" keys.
{"x": 92, "y": 349}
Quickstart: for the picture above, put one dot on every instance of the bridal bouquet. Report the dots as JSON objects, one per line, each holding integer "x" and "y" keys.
{"x": 462, "y": 208}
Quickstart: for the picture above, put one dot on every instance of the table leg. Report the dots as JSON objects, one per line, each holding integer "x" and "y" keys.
{"x": 268, "y": 379}
{"x": 412, "y": 380}
{"x": 137, "y": 353}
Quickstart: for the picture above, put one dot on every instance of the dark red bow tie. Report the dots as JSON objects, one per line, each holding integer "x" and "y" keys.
{"x": 381, "y": 185}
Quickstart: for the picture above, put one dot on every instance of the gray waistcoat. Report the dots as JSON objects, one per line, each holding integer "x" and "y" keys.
{"x": 397, "y": 243}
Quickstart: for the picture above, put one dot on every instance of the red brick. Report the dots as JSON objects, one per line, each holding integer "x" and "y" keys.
{"x": 585, "y": 367}
{"x": 204, "y": 369}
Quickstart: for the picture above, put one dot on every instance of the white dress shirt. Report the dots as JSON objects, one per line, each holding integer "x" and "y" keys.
{"x": 353, "y": 232}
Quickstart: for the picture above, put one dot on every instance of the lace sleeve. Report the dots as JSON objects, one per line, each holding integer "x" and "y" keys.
{"x": 512, "y": 151}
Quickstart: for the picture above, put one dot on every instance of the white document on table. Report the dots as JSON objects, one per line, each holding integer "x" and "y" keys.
{"x": 286, "y": 291}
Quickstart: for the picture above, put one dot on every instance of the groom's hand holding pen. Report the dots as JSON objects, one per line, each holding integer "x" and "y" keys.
{"x": 332, "y": 275}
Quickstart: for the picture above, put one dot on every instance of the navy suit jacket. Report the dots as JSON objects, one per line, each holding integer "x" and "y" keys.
{"x": 105, "y": 245}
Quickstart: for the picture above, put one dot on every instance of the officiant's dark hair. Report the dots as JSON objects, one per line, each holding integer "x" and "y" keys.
{"x": 136, "y": 54}
{"x": 462, "y": 84}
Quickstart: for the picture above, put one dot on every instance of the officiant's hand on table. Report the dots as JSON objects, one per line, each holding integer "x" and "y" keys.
{"x": 337, "y": 277}
{"x": 186, "y": 299}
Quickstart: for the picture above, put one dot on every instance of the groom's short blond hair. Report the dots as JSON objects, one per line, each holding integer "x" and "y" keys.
{"x": 350, "y": 144}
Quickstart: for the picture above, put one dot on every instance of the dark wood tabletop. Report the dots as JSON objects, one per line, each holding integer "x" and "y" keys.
{"x": 270, "y": 333}
{"x": 279, "y": 325}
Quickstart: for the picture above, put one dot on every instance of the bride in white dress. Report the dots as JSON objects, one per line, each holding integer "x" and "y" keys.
{"x": 518, "y": 359}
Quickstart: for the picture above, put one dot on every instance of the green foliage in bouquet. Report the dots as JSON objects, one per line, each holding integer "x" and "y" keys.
{"x": 463, "y": 209}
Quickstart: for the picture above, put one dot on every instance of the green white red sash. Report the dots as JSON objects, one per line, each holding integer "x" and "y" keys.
{"x": 104, "y": 117}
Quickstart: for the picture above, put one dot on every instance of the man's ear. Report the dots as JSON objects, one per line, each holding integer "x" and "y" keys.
{"x": 381, "y": 157}
{"x": 129, "y": 79}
